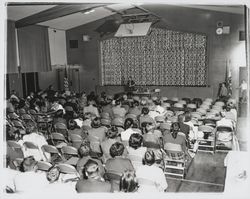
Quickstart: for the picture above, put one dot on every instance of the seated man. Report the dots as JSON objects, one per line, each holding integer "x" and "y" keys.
{"x": 29, "y": 180}
{"x": 94, "y": 182}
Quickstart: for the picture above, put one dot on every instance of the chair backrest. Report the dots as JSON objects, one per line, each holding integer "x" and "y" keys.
{"x": 219, "y": 103}
{"x": 75, "y": 138}
{"x": 105, "y": 115}
{"x": 43, "y": 166}
{"x": 192, "y": 106}
{"x": 206, "y": 129}
{"x": 182, "y": 102}
{"x": 67, "y": 168}
{"x": 69, "y": 150}
{"x": 165, "y": 126}
{"x": 112, "y": 176}
{"x": 60, "y": 125}
{"x": 105, "y": 121}
{"x": 201, "y": 110}
{"x": 13, "y": 144}
{"x": 178, "y": 105}
{"x": 196, "y": 115}
{"x": 132, "y": 116}
{"x": 50, "y": 149}
{"x": 58, "y": 137}
{"x": 26, "y": 117}
{"x": 172, "y": 147}
{"x": 151, "y": 145}
{"x": 30, "y": 145}
{"x": 224, "y": 128}
{"x": 21, "y": 111}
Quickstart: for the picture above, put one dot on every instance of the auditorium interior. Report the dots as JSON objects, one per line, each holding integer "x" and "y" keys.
{"x": 76, "y": 74}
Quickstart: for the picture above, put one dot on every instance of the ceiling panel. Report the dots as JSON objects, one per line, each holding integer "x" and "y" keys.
{"x": 18, "y": 12}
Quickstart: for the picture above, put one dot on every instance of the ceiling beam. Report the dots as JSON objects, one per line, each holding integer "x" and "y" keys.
{"x": 55, "y": 12}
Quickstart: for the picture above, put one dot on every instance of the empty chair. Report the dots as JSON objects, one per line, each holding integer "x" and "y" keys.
{"x": 182, "y": 102}
{"x": 224, "y": 138}
{"x": 61, "y": 128}
{"x": 70, "y": 154}
{"x": 43, "y": 166}
{"x": 58, "y": 140}
{"x": 67, "y": 169}
{"x": 53, "y": 151}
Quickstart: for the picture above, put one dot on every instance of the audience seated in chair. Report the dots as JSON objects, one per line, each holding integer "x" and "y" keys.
{"x": 94, "y": 182}
{"x": 150, "y": 177}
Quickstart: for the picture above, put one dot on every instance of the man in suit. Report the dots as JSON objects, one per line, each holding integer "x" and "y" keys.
{"x": 94, "y": 182}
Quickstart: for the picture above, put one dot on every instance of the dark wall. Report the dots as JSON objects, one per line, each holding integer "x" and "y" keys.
{"x": 220, "y": 48}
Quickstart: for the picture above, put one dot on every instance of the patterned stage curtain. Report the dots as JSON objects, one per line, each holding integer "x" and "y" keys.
{"x": 164, "y": 58}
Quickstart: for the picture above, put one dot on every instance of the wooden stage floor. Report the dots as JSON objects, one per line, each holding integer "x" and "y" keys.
{"x": 206, "y": 174}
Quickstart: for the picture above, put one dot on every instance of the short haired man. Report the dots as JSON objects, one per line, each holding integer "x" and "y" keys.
{"x": 94, "y": 183}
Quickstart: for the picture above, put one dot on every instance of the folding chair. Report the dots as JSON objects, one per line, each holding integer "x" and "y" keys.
{"x": 67, "y": 169}
{"x": 15, "y": 146}
{"x": 76, "y": 140}
{"x": 17, "y": 162}
{"x": 43, "y": 166}
{"x": 61, "y": 128}
{"x": 206, "y": 143}
{"x": 70, "y": 154}
{"x": 53, "y": 151}
{"x": 105, "y": 115}
{"x": 224, "y": 138}
{"x": 201, "y": 110}
{"x": 174, "y": 161}
{"x": 58, "y": 139}
{"x": 114, "y": 178}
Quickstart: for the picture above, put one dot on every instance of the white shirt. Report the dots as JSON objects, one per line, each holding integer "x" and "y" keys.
{"x": 139, "y": 152}
{"x": 91, "y": 109}
{"x": 125, "y": 135}
{"x": 154, "y": 174}
{"x": 38, "y": 140}
{"x": 57, "y": 107}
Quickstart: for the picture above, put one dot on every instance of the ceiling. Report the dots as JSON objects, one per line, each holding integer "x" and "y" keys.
{"x": 75, "y": 16}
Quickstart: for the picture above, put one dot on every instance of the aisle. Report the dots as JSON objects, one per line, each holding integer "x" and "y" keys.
{"x": 205, "y": 174}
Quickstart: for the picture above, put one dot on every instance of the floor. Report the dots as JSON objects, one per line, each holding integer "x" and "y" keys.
{"x": 205, "y": 174}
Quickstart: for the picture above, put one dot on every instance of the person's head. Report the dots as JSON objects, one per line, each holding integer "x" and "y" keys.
{"x": 28, "y": 164}
{"x": 128, "y": 182}
{"x": 53, "y": 174}
{"x": 181, "y": 118}
{"x": 147, "y": 127}
{"x": 223, "y": 84}
{"x": 187, "y": 116}
{"x": 84, "y": 150}
{"x": 175, "y": 127}
{"x": 96, "y": 122}
{"x": 145, "y": 110}
{"x": 135, "y": 140}
{"x": 118, "y": 102}
{"x": 116, "y": 149}
{"x": 149, "y": 158}
{"x": 112, "y": 132}
{"x": 91, "y": 169}
{"x": 129, "y": 122}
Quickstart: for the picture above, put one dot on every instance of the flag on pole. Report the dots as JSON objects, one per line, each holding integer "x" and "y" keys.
{"x": 66, "y": 80}
{"x": 228, "y": 79}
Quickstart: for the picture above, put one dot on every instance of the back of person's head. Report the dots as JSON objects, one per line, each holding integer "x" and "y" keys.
{"x": 187, "y": 116}
{"x": 128, "y": 182}
{"x": 135, "y": 103}
{"x": 112, "y": 132}
{"x": 28, "y": 164}
{"x": 91, "y": 168}
{"x": 135, "y": 140}
{"x": 117, "y": 102}
{"x": 175, "y": 127}
{"x": 53, "y": 174}
{"x": 129, "y": 122}
{"x": 116, "y": 149}
{"x": 84, "y": 150}
{"x": 59, "y": 113}
{"x": 145, "y": 110}
{"x": 96, "y": 123}
{"x": 149, "y": 158}
{"x": 181, "y": 118}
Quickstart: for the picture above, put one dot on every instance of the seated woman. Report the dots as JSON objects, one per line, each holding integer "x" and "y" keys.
{"x": 174, "y": 139}
{"x": 128, "y": 182}
{"x": 150, "y": 177}
{"x": 135, "y": 149}
{"x": 128, "y": 126}
{"x": 118, "y": 163}
{"x": 111, "y": 139}
{"x": 145, "y": 117}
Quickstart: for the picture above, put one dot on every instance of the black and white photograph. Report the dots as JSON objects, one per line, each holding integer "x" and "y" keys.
{"x": 125, "y": 99}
